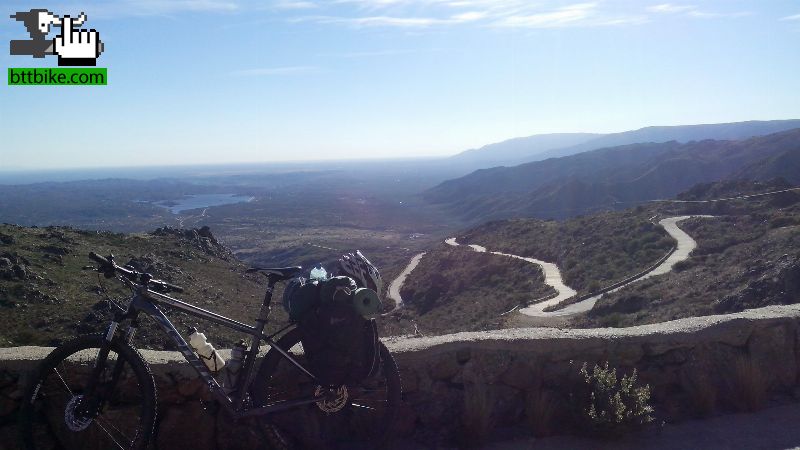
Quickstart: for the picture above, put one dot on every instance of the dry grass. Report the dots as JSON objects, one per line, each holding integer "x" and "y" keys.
{"x": 749, "y": 385}
{"x": 477, "y": 419}
{"x": 540, "y": 409}
{"x": 702, "y": 394}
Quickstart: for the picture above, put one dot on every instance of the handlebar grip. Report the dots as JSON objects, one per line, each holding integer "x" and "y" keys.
{"x": 173, "y": 287}
{"x": 163, "y": 286}
{"x": 99, "y": 259}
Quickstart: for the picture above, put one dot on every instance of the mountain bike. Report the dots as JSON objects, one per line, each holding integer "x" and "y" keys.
{"x": 97, "y": 391}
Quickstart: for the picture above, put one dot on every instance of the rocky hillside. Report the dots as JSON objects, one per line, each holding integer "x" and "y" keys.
{"x": 747, "y": 257}
{"x": 45, "y": 296}
{"x": 614, "y": 178}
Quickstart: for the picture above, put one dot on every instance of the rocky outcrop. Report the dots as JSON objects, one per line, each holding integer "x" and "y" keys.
{"x": 199, "y": 238}
{"x": 777, "y": 283}
{"x": 13, "y": 267}
{"x": 694, "y": 367}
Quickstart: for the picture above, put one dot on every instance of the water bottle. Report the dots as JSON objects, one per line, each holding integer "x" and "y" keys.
{"x": 318, "y": 273}
{"x": 208, "y": 354}
{"x": 233, "y": 366}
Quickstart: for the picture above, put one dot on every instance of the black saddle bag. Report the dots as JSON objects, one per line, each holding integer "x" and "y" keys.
{"x": 341, "y": 346}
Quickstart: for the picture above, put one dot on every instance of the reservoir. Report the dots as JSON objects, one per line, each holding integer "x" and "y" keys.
{"x": 202, "y": 201}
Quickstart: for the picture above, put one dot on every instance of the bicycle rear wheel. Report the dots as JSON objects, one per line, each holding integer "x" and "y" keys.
{"x": 361, "y": 416}
{"x": 51, "y": 417}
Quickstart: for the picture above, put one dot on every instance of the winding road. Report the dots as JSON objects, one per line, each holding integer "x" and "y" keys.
{"x": 397, "y": 283}
{"x": 552, "y": 275}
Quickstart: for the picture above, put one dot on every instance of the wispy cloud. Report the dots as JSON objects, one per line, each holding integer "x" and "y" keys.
{"x": 293, "y": 4}
{"x": 794, "y": 17}
{"x": 580, "y": 14}
{"x": 159, "y": 7}
{"x": 144, "y": 8}
{"x": 393, "y": 21}
{"x": 693, "y": 11}
{"x": 379, "y": 53}
{"x": 492, "y": 13}
{"x": 670, "y": 8}
{"x": 273, "y": 71}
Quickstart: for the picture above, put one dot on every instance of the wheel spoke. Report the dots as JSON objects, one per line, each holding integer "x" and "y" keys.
{"x": 357, "y": 405}
{"x": 63, "y": 382}
{"x": 101, "y": 420}
{"x": 97, "y": 422}
{"x": 373, "y": 400}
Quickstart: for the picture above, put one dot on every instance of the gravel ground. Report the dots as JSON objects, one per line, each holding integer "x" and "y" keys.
{"x": 773, "y": 428}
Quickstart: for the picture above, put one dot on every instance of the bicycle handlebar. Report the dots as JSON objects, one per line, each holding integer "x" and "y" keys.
{"x": 109, "y": 267}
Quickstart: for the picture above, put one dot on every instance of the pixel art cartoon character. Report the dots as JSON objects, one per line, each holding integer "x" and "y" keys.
{"x": 74, "y": 46}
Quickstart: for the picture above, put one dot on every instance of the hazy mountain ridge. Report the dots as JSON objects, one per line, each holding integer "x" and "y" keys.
{"x": 539, "y": 147}
{"x": 516, "y": 150}
{"x": 680, "y": 133}
{"x": 613, "y": 178}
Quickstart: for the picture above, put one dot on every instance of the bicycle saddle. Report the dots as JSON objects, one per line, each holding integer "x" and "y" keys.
{"x": 281, "y": 273}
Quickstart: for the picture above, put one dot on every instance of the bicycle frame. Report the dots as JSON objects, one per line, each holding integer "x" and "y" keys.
{"x": 147, "y": 301}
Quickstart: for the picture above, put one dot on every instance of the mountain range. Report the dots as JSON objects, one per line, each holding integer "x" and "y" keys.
{"x": 615, "y": 177}
{"x": 543, "y": 146}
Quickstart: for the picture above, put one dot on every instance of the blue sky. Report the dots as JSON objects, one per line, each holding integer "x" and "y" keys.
{"x": 210, "y": 81}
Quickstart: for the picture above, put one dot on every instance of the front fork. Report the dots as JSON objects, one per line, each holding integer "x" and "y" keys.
{"x": 96, "y": 391}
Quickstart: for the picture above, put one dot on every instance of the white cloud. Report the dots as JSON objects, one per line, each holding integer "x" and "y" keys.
{"x": 271, "y": 71}
{"x": 293, "y": 4}
{"x": 378, "y": 53}
{"x": 469, "y": 16}
{"x": 496, "y": 13}
{"x": 144, "y": 8}
{"x": 794, "y": 17}
{"x": 154, "y": 7}
{"x": 576, "y": 15}
{"x": 671, "y": 8}
{"x": 376, "y": 21}
{"x": 693, "y": 11}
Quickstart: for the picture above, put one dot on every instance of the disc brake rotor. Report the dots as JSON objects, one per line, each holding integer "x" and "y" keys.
{"x": 334, "y": 402}
{"x": 73, "y": 422}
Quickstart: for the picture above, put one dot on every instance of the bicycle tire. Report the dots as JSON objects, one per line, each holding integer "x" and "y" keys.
{"x": 308, "y": 426}
{"x": 126, "y": 419}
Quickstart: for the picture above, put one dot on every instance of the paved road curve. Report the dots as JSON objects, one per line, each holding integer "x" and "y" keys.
{"x": 553, "y": 275}
{"x": 397, "y": 283}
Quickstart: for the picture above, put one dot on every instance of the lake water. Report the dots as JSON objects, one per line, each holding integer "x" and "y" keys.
{"x": 203, "y": 201}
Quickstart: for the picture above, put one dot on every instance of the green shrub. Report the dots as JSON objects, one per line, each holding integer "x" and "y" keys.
{"x": 613, "y": 320}
{"x": 680, "y": 266}
{"x": 613, "y": 406}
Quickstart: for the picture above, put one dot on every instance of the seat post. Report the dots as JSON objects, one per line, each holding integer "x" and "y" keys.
{"x": 263, "y": 314}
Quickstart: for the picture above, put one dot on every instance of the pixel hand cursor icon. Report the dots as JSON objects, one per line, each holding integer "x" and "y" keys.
{"x": 74, "y": 46}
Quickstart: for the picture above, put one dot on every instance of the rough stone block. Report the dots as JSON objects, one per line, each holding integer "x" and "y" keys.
{"x": 769, "y": 349}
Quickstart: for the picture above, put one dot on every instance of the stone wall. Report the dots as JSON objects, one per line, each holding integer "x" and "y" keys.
{"x": 695, "y": 366}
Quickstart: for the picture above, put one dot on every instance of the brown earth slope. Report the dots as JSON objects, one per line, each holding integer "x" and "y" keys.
{"x": 45, "y": 297}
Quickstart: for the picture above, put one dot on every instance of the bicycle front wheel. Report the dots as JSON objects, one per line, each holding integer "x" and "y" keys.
{"x": 360, "y": 416}
{"x": 53, "y": 414}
